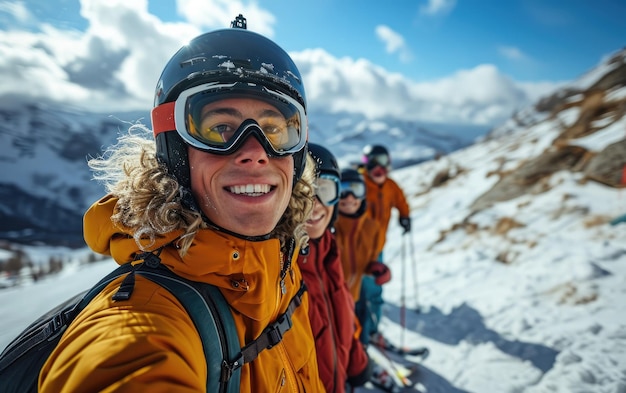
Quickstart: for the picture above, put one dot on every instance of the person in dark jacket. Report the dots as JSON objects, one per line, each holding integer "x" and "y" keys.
{"x": 340, "y": 355}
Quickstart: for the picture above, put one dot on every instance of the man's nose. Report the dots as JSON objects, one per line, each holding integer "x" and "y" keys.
{"x": 252, "y": 151}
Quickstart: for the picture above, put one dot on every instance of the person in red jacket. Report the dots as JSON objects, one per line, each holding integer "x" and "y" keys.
{"x": 340, "y": 355}
{"x": 382, "y": 196}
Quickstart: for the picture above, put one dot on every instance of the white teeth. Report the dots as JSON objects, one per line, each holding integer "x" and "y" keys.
{"x": 251, "y": 189}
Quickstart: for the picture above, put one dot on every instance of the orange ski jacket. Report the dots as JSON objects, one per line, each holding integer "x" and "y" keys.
{"x": 381, "y": 199}
{"x": 150, "y": 344}
{"x": 360, "y": 242}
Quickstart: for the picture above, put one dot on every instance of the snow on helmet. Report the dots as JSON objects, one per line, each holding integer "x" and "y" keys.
{"x": 325, "y": 161}
{"x": 225, "y": 63}
{"x": 374, "y": 155}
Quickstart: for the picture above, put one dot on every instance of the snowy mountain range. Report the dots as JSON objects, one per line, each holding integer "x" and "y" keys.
{"x": 45, "y": 182}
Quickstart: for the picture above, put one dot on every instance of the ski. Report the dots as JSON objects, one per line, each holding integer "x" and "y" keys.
{"x": 422, "y": 352}
{"x": 395, "y": 367}
{"x": 388, "y": 375}
{"x": 384, "y": 344}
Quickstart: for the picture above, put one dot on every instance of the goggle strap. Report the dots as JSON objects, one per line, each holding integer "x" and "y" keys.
{"x": 163, "y": 118}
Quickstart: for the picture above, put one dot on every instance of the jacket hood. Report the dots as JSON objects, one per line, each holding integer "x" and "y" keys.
{"x": 246, "y": 271}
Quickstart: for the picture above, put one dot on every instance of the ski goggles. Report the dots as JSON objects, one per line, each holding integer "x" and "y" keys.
{"x": 357, "y": 189}
{"x": 203, "y": 123}
{"x": 327, "y": 189}
{"x": 377, "y": 160}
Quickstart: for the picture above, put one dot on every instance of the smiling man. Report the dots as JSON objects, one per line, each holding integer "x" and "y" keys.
{"x": 245, "y": 192}
{"x": 220, "y": 198}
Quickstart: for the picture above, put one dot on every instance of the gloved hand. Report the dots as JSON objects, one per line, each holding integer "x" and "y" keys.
{"x": 380, "y": 271}
{"x": 363, "y": 376}
{"x": 405, "y": 222}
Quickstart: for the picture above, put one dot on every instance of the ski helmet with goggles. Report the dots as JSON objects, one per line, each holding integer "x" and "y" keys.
{"x": 376, "y": 155}
{"x": 228, "y": 63}
{"x": 328, "y": 176}
{"x": 352, "y": 183}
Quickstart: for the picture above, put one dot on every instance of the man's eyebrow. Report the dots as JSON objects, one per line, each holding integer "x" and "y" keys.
{"x": 236, "y": 113}
{"x": 271, "y": 113}
{"x": 222, "y": 111}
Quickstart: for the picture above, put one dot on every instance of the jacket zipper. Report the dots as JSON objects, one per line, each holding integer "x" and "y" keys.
{"x": 290, "y": 373}
{"x": 379, "y": 214}
{"x": 352, "y": 243}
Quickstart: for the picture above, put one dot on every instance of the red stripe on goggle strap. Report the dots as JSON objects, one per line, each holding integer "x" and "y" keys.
{"x": 163, "y": 118}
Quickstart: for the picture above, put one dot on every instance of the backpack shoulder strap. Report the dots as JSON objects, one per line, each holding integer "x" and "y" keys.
{"x": 214, "y": 322}
{"x": 216, "y": 327}
{"x": 271, "y": 335}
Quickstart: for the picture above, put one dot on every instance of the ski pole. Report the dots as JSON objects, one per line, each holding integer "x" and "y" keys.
{"x": 414, "y": 263}
{"x": 402, "y": 293}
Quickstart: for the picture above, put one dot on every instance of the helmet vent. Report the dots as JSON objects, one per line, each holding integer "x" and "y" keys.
{"x": 193, "y": 61}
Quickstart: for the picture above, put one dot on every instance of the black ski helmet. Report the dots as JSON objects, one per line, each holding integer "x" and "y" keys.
{"x": 326, "y": 163}
{"x": 371, "y": 154}
{"x": 351, "y": 175}
{"x": 233, "y": 55}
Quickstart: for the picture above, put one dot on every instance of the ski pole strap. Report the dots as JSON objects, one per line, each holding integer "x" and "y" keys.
{"x": 273, "y": 333}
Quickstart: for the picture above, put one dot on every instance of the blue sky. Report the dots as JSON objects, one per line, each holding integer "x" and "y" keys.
{"x": 501, "y": 54}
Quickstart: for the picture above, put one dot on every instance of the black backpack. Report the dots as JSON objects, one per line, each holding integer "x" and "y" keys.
{"x": 22, "y": 359}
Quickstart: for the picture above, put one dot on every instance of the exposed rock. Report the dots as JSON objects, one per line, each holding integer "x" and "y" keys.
{"x": 599, "y": 106}
{"x": 609, "y": 166}
{"x": 528, "y": 178}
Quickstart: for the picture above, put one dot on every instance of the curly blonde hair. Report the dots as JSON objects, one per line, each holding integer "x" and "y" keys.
{"x": 150, "y": 200}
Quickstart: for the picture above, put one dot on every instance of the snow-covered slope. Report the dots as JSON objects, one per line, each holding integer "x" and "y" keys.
{"x": 519, "y": 291}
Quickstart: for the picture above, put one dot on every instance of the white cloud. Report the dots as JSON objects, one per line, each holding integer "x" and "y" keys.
{"x": 394, "y": 42}
{"x": 114, "y": 65}
{"x": 213, "y": 14}
{"x": 481, "y": 95}
{"x": 438, "y": 7}
{"x": 17, "y": 10}
{"x": 512, "y": 53}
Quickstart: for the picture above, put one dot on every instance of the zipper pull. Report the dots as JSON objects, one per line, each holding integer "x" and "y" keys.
{"x": 283, "y": 288}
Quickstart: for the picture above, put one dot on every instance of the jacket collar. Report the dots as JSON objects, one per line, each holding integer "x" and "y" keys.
{"x": 247, "y": 272}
